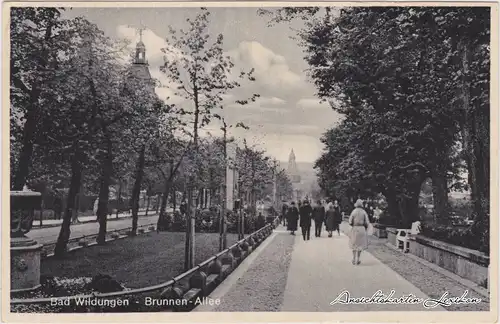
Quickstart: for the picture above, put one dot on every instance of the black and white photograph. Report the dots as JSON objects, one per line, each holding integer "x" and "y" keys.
{"x": 258, "y": 158}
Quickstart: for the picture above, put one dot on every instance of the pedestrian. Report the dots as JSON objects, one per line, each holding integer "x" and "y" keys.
{"x": 261, "y": 221}
{"x": 319, "y": 218}
{"x": 328, "y": 205}
{"x": 57, "y": 208}
{"x": 329, "y": 219}
{"x": 377, "y": 212}
{"x": 358, "y": 237}
{"x": 305, "y": 212}
{"x": 283, "y": 213}
{"x": 292, "y": 218}
{"x": 337, "y": 216}
{"x": 183, "y": 208}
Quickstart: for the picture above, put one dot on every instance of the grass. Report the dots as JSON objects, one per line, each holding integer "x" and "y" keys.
{"x": 136, "y": 262}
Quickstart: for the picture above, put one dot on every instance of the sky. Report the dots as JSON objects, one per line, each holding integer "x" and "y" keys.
{"x": 287, "y": 115}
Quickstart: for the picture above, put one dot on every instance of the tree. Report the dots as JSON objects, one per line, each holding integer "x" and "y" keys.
{"x": 201, "y": 74}
{"x": 90, "y": 106}
{"x": 398, "y": 94}
{"x": 37, "y": 36}
{"x": 143, "y": 127}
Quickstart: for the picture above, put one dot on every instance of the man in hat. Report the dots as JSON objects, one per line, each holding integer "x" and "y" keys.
{"x": 292, "y": 218}
{"x": 305, "y": 212}
{"x": 319, "y": 217}
{"x": 283, "y": 213}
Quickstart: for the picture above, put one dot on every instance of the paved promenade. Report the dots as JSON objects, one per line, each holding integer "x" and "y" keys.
{"x": 308, "y": 277}
{"x": 321, "y": 270}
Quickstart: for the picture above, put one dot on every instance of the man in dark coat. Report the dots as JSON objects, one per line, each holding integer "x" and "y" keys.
{"x": 319, "y": 218}
{"x": 283, "y": 213}
{"x": 305, "y": 220}
{"x": 292, "y": 218}
{"x": 183, "y": 208}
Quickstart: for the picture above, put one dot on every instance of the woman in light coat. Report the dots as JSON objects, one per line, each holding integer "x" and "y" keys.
{"x": 358, "y": 238}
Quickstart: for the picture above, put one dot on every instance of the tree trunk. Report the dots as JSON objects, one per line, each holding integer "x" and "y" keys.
{"x": 74, "y": 216}
{"x": 158, "y": 199}
{"x": 174, "y": 198}
{"x": 24, "y": 162}
{"x": 136, "y": 191}
{"x": 118, "y": 199}
{"x": 76, "y": 179}
{"x": 392, "y": 207}
{"x": 102, "y": 207}
{"x": 147, "y": 205}
{"x": 408, "y": 203}
{"x": 475, "y": 131}
{"x": 440, "y": 194}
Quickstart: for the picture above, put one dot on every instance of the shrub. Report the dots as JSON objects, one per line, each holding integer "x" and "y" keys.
{"x": 470, "y": 237}
{"x": 179, "y": 222}
{"x": 389, "y": 221}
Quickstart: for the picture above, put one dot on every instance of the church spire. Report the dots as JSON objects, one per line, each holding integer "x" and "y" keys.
{"x": 140, "y": 50}
{"x": 292, "y": 168}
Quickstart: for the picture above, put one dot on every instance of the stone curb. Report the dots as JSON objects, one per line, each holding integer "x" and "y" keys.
{"x": 469, "y": 284}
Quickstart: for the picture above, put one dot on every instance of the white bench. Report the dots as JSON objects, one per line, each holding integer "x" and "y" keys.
{"x": 403, "y": 236}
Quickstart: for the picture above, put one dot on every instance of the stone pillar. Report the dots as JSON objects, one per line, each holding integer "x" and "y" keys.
{"x": 24, "y": 252}
{"x": 24, "y": 264}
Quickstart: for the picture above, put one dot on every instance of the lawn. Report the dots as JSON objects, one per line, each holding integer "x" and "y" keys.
{"x": 136, "y": 262}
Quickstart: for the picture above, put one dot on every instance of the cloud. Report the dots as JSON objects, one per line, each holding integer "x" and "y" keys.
{"x": 311, "y": 103}
{"x": 281, "y": 117}
{"x": 273, "y": 101}
{"x": 271, "y": 69}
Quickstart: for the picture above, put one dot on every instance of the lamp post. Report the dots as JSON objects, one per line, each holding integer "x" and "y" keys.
{"x": 227, "y": 202}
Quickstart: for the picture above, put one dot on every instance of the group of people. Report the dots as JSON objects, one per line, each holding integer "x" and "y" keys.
{"x": 321, "y": 213}
{"x": 330, "y": 214}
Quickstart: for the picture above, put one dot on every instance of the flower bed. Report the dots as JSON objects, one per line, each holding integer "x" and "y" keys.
{"x": 54, "y": 287}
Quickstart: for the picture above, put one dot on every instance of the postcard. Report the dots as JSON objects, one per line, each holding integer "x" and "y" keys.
{"x": 250, "y": 162}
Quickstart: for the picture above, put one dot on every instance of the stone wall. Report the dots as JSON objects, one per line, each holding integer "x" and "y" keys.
{"x": 379, "y": 230}
{"x": 466, "y": 263}
{"x": 391, "y": 235}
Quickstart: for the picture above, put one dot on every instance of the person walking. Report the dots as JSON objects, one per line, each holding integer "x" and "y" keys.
{"x": 319, "y": 218}
{"x": 337, "y": 217}
{"x": 358, "y": 237}
{"x": 305, "y": 212}
{"x": 292, "y": 218}
{"x": 329, "y": 219}
{"x": 283, "y": 213}
{"x": 183, "y": 208}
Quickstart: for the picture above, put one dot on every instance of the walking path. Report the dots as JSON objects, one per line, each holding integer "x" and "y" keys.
{"x": 321, "y": 270}
{"x": 91, "y": 218}
{"x": 309, "y": 276}
{"x": 47, "y": 235}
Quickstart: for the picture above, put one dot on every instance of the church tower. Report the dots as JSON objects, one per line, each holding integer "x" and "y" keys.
{"x": 140, "y": 52}
{"x": 140, "y": 66}
{"x": 293, "y": 172}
